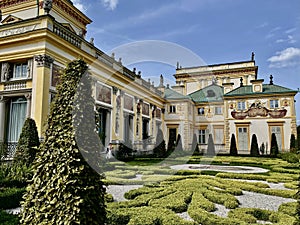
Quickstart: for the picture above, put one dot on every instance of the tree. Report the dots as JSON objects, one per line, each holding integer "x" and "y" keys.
{"x": 298, "y": 139}
{"x": 195, "y": 147}
{"x": 210, "y": 146}
{"x": 274, "y": 146}
{"x": 233, "y": 148}
{"x": 27, "y": 144}
{"x": 178, "y": 147}
{"x": 65, "y": 189}
{"x": 160, "y": 146}
{"x": 293, "y": 143}
{"x": 254, "y": 150}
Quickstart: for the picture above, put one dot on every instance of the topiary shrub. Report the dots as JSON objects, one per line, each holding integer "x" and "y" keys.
{"x": 27, "y": 144}
{"x": 160, "y": 146}
{"x": 293, "y": 143}
{"x": 211, "y": 146}
{"x": 233, "y": 148}
{"x": 65, "y": 189}
{"x": 195, "y": 147}
{"x": 254, "y": 150}
{"x": 274, "y": 146}
{"x": 178, "y": 147}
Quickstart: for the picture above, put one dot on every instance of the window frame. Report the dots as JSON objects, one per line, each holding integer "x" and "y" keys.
{"x": 172, "y": 109}
{"x": 274, "y": 104}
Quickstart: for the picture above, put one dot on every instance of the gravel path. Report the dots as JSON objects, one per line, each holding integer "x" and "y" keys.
{"x": 118, "y": 191}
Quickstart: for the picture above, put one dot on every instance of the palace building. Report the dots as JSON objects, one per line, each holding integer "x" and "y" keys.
{"x": 38, "y": 39}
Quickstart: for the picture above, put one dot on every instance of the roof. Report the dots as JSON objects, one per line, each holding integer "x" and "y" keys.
{"x": 267, "y": 89}
{"x": 211, "y": 93}
{"x": 171, "y": 94}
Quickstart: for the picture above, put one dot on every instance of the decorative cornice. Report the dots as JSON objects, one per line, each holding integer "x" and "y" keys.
{"x": 7, "y": 3}
{"x": 43, "y": 60}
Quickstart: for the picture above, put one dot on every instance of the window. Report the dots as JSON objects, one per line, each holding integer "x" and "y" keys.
{"x": 202, "y": 136}
{"x": 218, "y": 110}
{"x": 241, "y": 105}
{"x": 243, "y": 138}
{"x": 201, "y": 111}
{"x": 274, "y": 104}
{"x": 20, "y": 70}
{"x": 277, "y": 131}
{"x": 17, "y": 116}
{"x": 172, "y": 109}
{"x": 219, "y": 135}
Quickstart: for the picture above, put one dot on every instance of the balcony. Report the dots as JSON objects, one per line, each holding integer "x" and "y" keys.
{"x": 15, "y": 85}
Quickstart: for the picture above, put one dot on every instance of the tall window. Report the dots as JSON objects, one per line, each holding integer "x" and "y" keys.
{"x": 218, "y": 110}
{"x": 243, "y": 138}
{"x": 202, "y": 136}
{"x": 20, "y": 70}
{"x": 241, "y": 105}
{"x": 274, "y": 103}
{"x": 17, "y": 117}
{"x": 219, "y": 135}
{"x": 172, "y": 109}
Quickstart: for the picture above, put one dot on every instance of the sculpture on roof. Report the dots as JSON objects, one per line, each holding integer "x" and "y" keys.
{"x": 47, "y": 6}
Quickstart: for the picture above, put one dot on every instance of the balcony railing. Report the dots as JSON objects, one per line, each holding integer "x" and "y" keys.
{"x": 15, "y": 85}
{"x": 67, "y": 35}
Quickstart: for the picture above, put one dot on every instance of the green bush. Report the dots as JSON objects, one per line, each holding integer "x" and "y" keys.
{"x": 65, "y": 189}
{"x": 290, "y": 157}
{"x": 11, "y": 197}
{"x": 160, "y": 146}
{"x": 254, "y": 150}
{"x": 233, "y": 148}
{"x": 27, "y": 144}
{"x": 274, "y": 146}
{"x": 289, "y": 208}
{"x": 8, "y": 219}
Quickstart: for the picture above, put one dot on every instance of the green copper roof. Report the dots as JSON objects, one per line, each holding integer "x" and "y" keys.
{"x": 267, "y": 89}
{"x": 212, "y": 93}
{"x": 171, "y": 94}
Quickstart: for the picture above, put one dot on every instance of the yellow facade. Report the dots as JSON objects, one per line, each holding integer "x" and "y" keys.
{"x": 36, "y": 46}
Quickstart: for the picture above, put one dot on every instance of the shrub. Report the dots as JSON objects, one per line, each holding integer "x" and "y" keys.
{"x": 274, "y": 146}
{"x": 160, "y": 146}
{"x": 178, "y": 143}
{"x": 254, "y": 151}
{"x": 233, "y": 148}
{"x": 11, "y": 197}
{"x": 293, "y": 143}
{"x": 290, "y": 157}
{"x": 8, "y": 219}
{"x": 195, "y": 147}
{"x": 27, "y": 144}
{"x": 65, "y": 189}
{"x": 211, "y": 146}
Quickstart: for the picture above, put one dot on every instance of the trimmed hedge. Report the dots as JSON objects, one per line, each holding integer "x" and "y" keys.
{"x": 11, "y": 197}
{"x": 8, "y": 219}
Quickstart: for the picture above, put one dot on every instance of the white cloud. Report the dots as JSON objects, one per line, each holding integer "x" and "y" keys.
{"x": 290, "y": 30}
{"x": 78, "y": 4}
{"x": 287, "y": 57}
{"x": 290, "y": 39}
{"x": 110, "y": 4}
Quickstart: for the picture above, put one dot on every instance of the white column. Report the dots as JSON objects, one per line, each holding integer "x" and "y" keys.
{"x": 2, "y": 118}
{"x": 28, "y": 112}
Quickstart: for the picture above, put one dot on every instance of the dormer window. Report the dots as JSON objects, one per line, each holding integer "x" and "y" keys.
{"x": 274, "y": 104}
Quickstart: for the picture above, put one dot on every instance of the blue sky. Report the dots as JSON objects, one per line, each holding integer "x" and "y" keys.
{"x": 218, "y": 31}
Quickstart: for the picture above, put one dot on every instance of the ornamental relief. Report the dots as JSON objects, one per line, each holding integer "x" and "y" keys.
{"x": 256, "y": 109}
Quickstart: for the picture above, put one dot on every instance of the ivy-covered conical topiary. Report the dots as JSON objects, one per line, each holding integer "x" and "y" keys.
{"x": 274, "y": 146}
{"x": 293, "y": 143}
{"x": 160, "y": 146}
{"x": 195, "y": 147}
{"x": 27, "y": 144}
{"x": 233, "y": 148}
{"x": 65, "y": 189}
{"x": 254, "y": 150}
{"x": 211, "y": 146}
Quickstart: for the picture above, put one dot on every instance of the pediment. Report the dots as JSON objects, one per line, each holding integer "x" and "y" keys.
{"x": 11, "y": 19}
{"x": 69, "y": 27}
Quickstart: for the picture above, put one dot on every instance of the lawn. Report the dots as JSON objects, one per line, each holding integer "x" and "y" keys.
{"x": 168, "y": 194}
{"x": 188, "y": 197}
